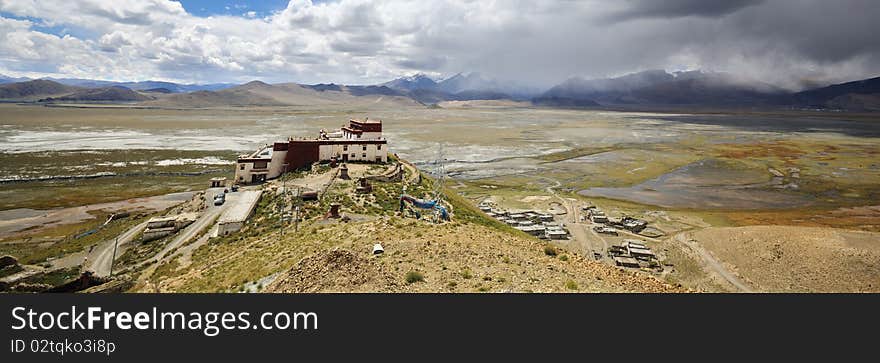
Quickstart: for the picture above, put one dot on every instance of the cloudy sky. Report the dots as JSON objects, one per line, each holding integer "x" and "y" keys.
{"x": 540, "y": 43}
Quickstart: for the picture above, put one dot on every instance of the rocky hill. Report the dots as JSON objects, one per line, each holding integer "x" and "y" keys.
{"x": 471, "y": 253}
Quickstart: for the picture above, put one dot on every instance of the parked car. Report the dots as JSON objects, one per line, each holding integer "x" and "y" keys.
{"x": 219, "y": 199}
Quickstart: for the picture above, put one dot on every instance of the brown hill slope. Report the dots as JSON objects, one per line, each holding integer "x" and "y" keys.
{"x": 32, "y": 90}
{"x": 106, "y": 94}
{"x": 258, "y": 93}
{"x": 798, "y": 259}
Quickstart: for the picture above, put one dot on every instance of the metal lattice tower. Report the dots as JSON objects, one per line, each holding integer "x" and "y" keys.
{"x": 439, "y": 173}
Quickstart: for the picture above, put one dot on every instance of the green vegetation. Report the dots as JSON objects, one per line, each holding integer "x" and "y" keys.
{"x": 571, "y": 285}
{"x": 413, "y": 277}
{"x": 466, "y": 274}
{"x": 550, "y": 251}
{"x": 54, "y": 277}
{"x": 10, "y": 270}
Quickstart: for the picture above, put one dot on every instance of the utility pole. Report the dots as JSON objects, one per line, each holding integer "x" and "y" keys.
{"x": 296, "y": 212}
{"x": 113, "y": 259}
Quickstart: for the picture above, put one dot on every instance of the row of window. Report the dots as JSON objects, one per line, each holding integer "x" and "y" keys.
{"x": 378, "y": 147}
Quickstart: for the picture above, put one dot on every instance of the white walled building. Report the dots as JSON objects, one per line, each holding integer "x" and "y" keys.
{"x": 359, "y": 141}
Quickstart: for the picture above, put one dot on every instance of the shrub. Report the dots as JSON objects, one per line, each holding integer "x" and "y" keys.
{"x": 563, "y": 257}
{"x": 414, "y": 276}
{"x": 571, "y": 285}
{"x": 550, "y": 250}
{"x": 466, "y": 274}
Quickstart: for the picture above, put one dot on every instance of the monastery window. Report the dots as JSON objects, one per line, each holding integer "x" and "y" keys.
{"x": 344, "y": 147}
{"x": 364, "y": 155}
{"x": 379, "y": 147}
{"x": 241, "y": 166}
{"x": 365, "y": 147}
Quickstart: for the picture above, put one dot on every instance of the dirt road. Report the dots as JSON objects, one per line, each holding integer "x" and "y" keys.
{"x": 583, "y": 240}
{"x": 101, "y": 257}
{"x": 712, "y": 263}
{"x": 205, "y": 220}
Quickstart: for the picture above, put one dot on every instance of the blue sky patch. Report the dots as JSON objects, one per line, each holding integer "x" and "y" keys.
{"x": 204, "y": 8}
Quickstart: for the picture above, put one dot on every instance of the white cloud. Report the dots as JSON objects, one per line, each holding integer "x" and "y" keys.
{"x": 359, "y": 42}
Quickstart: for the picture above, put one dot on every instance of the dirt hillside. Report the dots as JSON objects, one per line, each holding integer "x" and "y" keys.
{"x": 455, "y": 258}
{"x": 798, "y": 259}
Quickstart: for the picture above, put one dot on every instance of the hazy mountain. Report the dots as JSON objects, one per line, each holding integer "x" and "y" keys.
{"x": 7, "y": 79}
{"x": 35, "y": 89}
{"x": 648, "y": 88}
{"x": 137, "y": 86}
{"x": 460, "y": 87}
{"x": 658, "y": 87}
{"x": 856, "y": 95}
{"x": 461, "y": 82}
{"x": 105, "y": 94}
{"x": 708, "y": 89}
{"x": 357, "y": 90}
{"x": 475, "y": 84}
{"x": 418, "y": 81}
{"x": 257, "y": 93}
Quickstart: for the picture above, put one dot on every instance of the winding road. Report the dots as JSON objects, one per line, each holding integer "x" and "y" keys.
{"x": 101, "y": 257}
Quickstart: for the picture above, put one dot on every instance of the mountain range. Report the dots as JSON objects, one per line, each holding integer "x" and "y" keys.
{"x": 136, "y": 86}
{"x": 652, "y": 88}
{"x": 460, "y": 87}
{"x": 706, "y": 89}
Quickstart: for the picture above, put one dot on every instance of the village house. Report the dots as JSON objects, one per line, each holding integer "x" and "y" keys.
{"x": 359, "y": 141}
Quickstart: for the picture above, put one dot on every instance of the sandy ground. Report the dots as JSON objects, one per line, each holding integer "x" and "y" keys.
{"x": 797, "y": 259}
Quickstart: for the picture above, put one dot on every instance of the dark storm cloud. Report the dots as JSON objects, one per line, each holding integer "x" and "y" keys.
{"x": 681, "y": 8}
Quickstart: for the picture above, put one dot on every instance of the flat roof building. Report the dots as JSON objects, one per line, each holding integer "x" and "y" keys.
{"x": 233, "y": 218}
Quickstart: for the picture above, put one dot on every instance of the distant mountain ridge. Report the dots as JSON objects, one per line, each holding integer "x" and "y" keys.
{"x": 658, "y": 87}
{"x": 136, "y": 86}
{"x": 459, "y": 87}
{"x": 645, "y": 89}
{"x": 258, "y": 93}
